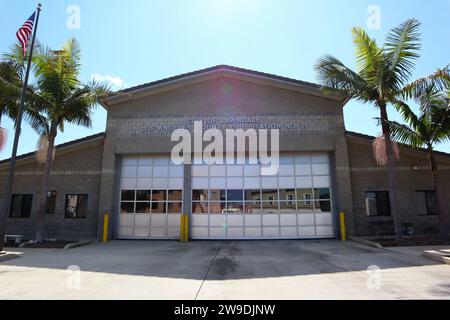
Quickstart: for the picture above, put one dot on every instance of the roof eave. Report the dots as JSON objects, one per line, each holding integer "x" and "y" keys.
{"x": 214, "y": 72}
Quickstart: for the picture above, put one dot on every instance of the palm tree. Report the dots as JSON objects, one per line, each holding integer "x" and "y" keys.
{"x": 431, "y": 127}
{"x": 381, "y": 74}
{"x": 12, "y": 72}
{"x": 432, "y": 93}
{"x": 59, "y": 97}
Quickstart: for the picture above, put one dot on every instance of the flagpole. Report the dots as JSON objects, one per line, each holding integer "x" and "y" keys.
{"x": 12, "y": 163}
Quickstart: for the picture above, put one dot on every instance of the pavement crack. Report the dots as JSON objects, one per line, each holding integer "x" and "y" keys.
{"x": 209, "y": 268}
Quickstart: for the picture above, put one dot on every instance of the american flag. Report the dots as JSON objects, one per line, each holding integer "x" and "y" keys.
{"x": 23, "y": 34}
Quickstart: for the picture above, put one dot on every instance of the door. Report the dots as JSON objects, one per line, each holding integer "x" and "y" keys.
{"x": 151, "y": 198}
{"x": 237, "y": 202}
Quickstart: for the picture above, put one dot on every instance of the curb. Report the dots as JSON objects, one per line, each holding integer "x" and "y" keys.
{"x": 437, "y": 256}
{"x": 78, "y": 244}
{"x": 9, "y": 256}
{"x": 366, "y": 242}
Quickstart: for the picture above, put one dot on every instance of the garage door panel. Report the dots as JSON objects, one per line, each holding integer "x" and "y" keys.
{"x": 253, "y": 220}
{"x": 160, "y": 183}
{"x": 324, "y": 218}
{"x": 128, "y": 183}
{"x": 158, "y": 232}
{"x": 158, "y": 220}
{"x": 305, "y": 219}
{"x": 288, "y": 232}
{"x": 141, "y": 232}
{"x": 235, "y": 220}
{"x": 217, "y": 220}
{"x": 235, "y": 232}
{"x": 324, "y": 231}
{"x": 303, "y": 182}
{"x": 306, "y": 231}
{"x": 173, "y": 220}
{"x": 173, "y": 232}
{"x": 142, "y": 220}
{"x": 126, "y": 219}
{"x": 200, "y": 232}
{"x": 321, "y": 181}
{"x": 252, "y": 183}
{"x": 271, "y": 232}
{"x": 144, "y": 183}
{"x": 199, "y": 220}
{"x": 175, "y": 183}
{"x": 235, "y": 183}
{"x": 125, "y": 232}
{"x": 253, "y": 232}
{"x": 217, "y": 232}
{"x": 288, "y": 220}
{"x": 270, "y": 219}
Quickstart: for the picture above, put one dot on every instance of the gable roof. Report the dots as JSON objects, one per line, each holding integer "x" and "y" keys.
{"x": 214, "y": 72}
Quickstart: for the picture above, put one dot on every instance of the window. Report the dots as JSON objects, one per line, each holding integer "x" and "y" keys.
{"x": 76, "y": 205}
{"x": 51, "y": 201}
{"x": 21, "y": 205}
{"x": 377, "y": 203}
{"x": 290, "y": 197}
{"x": 307, "y": 198}
{"x": 425, "y": 202}
{"x": 158, "y": 201}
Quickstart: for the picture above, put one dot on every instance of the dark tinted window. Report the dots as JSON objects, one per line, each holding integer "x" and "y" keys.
{"x": 21, "y": 205}
{"x": 51, "y": 201}
{"x": 377, "y": 203}
{"x": 76, "y": 205}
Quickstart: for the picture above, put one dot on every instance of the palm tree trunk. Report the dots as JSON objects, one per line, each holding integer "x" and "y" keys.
{"x": 42, "y": 195}
{"x": 392, "y": 177}
{"x": 444, "y": 220}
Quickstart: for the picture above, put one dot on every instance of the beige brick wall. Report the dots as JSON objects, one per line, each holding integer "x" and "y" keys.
{"x": 76, "y": 169}
{"x": 366, "y": 175}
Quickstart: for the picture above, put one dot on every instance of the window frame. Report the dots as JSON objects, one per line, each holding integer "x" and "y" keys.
{"x": 308, "y": 202}
{"x": 76, "y": 211}
{"x": 54, "y": 202}
{"x": 429, "y": 211}
{"x": 21, "y": 206}
{"x": 377, "y": 198}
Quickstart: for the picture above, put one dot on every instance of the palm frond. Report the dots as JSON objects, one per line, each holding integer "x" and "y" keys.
{"x": 407, "y": 113}
{"x": 334, "y": 74}
{"x": 401, "y": 48}
{"x": 439, "y": 81}
{"x": 403, "y": 134}
{"x": 368, "y": 55}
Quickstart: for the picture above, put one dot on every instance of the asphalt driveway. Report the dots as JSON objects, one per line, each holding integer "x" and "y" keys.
{"x": 291, "y": 269}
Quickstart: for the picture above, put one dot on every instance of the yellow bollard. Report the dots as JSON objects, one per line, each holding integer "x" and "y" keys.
{"x": 182, "y": 227}
{"x": 342, "y": 222}
{"x": 105, "y": 228}
{"x": 186, "y": 227}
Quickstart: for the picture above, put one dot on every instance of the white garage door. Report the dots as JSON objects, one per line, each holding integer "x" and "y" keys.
{"x": 236, "y": 202}
{"x": 151, "y": 199}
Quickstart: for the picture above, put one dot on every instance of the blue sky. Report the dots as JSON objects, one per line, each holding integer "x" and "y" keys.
{"x": 133, "y": 42}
